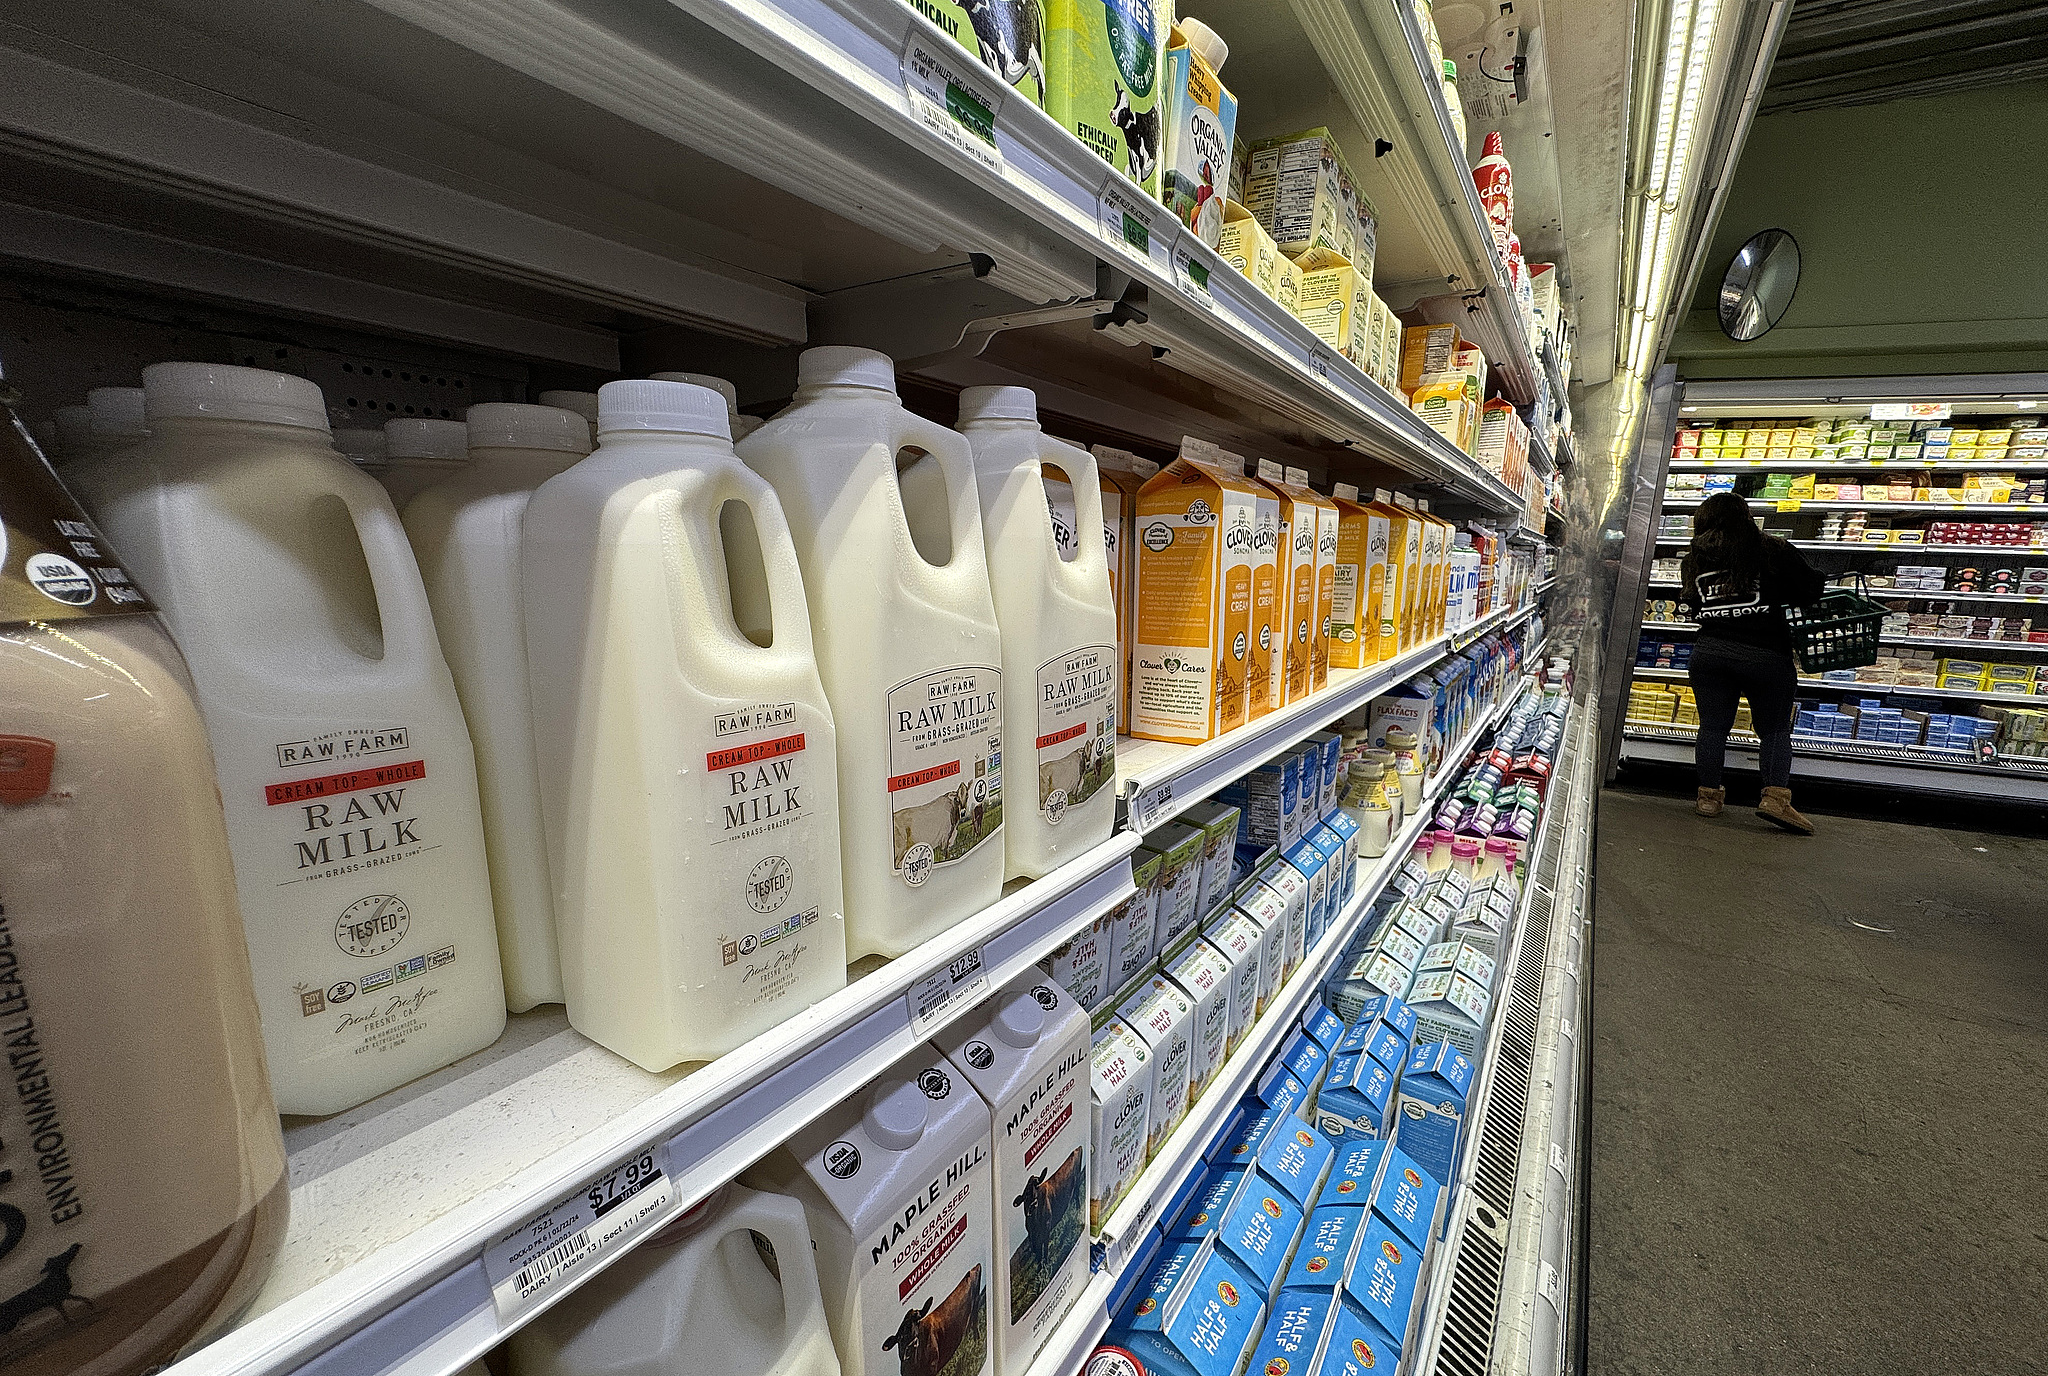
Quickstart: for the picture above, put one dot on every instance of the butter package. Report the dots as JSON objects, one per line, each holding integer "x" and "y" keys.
{"x": 1246, "y": 246}
{"x": 1219, "y": 823}
{"x": 1121, "y": 1114}
{"x": 1200, "y": 118}
{"x": 1357, "y": 578}
{"x": 1207, "y": 1324}
{"x": 1429, "y": 1107}
{"x": 1296, "y": 190}
{"x": 1204, "y": 976}
{"x": 1103, "y": 62}
{"x": 1357, "y": 1098}
{"x": 1238, "y": 940}
{"x": 1320, "y": 1331}
{"x": 1334, "y": 300}
{"x": 1251, "y": 1217}
{"x": 1181, "y": 850}
{"x": 1194, "y": 596}
{"x": 1163, "y": 1018}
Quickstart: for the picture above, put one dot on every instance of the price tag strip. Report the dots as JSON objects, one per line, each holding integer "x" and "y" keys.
{"x": 530, "y": 1264}
{"x": 1136, "y": 224}
{"x": 942, "y": 995}
{"x": 1149, "y": 808}
{"x": 1190, "y": 273}
{"x": 957, "y": 104}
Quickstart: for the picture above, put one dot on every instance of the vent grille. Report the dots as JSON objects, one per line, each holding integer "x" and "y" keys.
{"x": 1467, "y": 1342}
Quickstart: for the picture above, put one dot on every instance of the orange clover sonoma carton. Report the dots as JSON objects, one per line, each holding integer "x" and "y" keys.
{"x": 1359, "y": 578}
{"x": 1328, "y": 533}
{"x": 1265, "y": 687}
{"x": 1194, "y": 599}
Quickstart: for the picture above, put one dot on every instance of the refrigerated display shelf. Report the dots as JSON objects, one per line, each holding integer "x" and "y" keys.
{"x": 2020, "y": 778}
{"x": 1892, "y": 546}
{"x": 1159, "y": 780}
{"x": 1129, "y": 1236}
{"x": 1872, "y": 689}
{"x": 1678, "y": 465}
{"x": 1915, "y": 641}
{"x": 1916, "y": 595}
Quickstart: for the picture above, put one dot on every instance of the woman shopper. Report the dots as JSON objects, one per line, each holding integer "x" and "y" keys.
{"x": 1738, "y": 582}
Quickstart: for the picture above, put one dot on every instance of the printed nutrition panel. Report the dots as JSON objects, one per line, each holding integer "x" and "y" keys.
{"x": 945, "y": 767}
{"x": 1175, "y": 611}
{"x": 1076, "y": 728}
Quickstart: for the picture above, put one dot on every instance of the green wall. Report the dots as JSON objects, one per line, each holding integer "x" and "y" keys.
{"x": 1923, "y": 237}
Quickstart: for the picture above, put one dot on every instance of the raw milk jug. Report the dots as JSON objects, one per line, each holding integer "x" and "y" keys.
{"x": 344, "y": 762}
{"x": 466, "y": 532}
{"x": 686, "y": 770}
{"x": 883, "y": 508}
{"x": 898, "y": 1190}
{"x": 697, "y": 1296}
{"x": 143, "y": 1195}
{"x": 1026, "y": 1052}
{"x": 742, "y": 426}
{"x": 1058, "y": 621}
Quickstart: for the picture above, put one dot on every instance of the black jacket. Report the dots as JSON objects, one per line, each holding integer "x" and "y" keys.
{"x": 1752, "y": 616}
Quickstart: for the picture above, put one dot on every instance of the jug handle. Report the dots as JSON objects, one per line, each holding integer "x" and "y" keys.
{"x": 1093, "y": 559}
{"x": 786, "y": 604}
{"x": 408, "y": 622}
{"x": 791, "y": 1239}
{"x": 963, "y": 498}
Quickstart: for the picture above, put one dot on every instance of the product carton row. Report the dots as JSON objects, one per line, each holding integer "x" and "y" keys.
{"x": 2020, "y": 439}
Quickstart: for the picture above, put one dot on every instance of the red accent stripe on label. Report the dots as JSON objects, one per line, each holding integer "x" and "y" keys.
{"x": 923, "y": 1270}
{"x": 1052, "y": 1130}
{"x": 924, "y": 776}
{"x": 755, "y": 753}
{"x": 334, "y": 785}
{"x": 1079, "y": 728}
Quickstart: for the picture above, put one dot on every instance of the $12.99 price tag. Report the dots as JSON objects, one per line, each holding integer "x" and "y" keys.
{"x": 527, "y": 1265}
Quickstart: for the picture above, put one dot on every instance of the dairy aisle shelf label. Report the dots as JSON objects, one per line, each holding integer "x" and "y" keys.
{"x": 1319, "y": 363}
{"x": 1551, "y": 1283}
{"x": 527, "y": 1265}
{"x": 1153, "y": 806}
{"x": 959, "y": 108}
{"x": 1557, "y": 1161}
{"x": 1788, "y": 504}
{"x": 944, "y": 994}
{"x": 1135, "y": 224}
{"x": 1190, "y": 273}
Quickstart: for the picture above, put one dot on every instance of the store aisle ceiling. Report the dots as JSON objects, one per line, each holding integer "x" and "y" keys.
{"x": 1860, "y": 52}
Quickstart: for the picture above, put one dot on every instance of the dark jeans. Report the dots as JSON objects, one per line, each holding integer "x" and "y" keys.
{"x": 1726, "y": 670}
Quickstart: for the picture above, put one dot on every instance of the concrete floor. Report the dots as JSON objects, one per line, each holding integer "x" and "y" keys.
{"x": 1820, "y": 1092}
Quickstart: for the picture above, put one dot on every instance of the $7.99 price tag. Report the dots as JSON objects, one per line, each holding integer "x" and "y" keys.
{"x": 529, "y": 1264}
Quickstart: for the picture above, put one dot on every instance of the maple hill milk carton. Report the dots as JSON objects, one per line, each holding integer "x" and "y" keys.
{"x": 1194, "y": 600}
{"x": 898, "y": 1186}
{"x": 1026, "y": 1052}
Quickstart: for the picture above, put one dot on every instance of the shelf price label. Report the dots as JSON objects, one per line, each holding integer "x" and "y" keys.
{"x": 1149, "y": 806}
{"x": 1190, "y": 273}
{"x": 1135, "y": 224}
{"x": 951, "y": 101}
{"x": 1788, "y": 504}
{"x": 533, "y": 1261}
{"x": 943, "y": 995}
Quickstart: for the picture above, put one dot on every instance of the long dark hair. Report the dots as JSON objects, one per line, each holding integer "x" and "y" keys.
{"x": 1725, "y": 537}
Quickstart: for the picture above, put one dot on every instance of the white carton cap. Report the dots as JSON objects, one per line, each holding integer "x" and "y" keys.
{"x": 716, "y": 384}
{"x": 846, "y": 367}
{"x": 74, "y": 430}
{"x": 668, "y": 407}
{"x": 219, "y": 391}
{"x": 1019, "y": 1020}
{"x": 511, "y": 425}
{"x": 447, "y": 440}
{"x": 1205, "y": 41}
{"x": 895, "y": 1116}
{"x": 117, "y": 413}
{"x": 361, "y": 446}
{"x": 997, "y": 403}
{"x": 583, "y": 404}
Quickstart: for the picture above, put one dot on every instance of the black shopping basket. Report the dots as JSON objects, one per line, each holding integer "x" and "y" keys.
{"x": 1838, "y": 631}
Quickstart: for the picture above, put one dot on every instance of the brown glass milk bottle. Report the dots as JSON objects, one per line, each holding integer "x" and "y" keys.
{"x": 142, "y": 1176}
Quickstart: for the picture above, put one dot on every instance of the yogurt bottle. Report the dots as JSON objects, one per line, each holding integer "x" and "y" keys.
{"x": 686, "y": 769}
{"x": 343, "y": 757}
{"x": 466, "y": 532}
{"x": 885, "y": 518}
{"x": 1058, "y": 619}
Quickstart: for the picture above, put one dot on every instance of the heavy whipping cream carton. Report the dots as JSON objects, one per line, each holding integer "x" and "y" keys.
{"x": 898, "y": 1188}
{"x": 1190, "y": 663}
{"x": 1026, "y": 1051}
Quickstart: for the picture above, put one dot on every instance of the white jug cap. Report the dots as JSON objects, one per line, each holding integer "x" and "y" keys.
{"x": 74, "y": 430}
{"x": 583, "y": 404}
{"x": 847, "y": 367}
{"x": 219, "y": 391}
{"x": 361, "y": 446}
{"x": 512, "y": 425}
{"x": 667, "y": 407}
{"x": 716, "y": 384}
{"x": 1019, "y": 1020}
{"x": 997, "y": 403}
{"x": 896, "y": 1115}
{"x": 117, "y": 412}
{"x": 1205, "y": 41}
{"x": 426, "y": 439}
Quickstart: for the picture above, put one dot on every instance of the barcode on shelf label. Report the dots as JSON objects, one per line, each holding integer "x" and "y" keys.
{"x": 1557, "y": 1160}
{"x": 1148, "y": 807}
{"x": 943, "y": 995}
{"x": 1126, "y": 1242}
{"x": 1551, "y": 1284}
{"x": 1319, "y": 362}
{"x": 1190, "y": 273}
{"x": 946, "y": 98}
{"x": 529, "y": 1264}
{"x": 1136, "y": 224}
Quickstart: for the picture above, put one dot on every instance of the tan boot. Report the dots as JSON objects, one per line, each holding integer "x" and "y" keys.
{"x": 1710, "y": 802}
{"x": 1777, "y": 807}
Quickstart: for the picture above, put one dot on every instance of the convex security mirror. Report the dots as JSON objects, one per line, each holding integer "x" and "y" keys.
{"x": 1758, "y": 285}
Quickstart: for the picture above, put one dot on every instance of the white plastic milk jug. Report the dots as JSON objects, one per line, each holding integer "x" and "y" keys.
{"x": 696, "y": 1297}
{"x": 466, "y": 532}
{"x": 583, "y": 404}
{"x": 883, "y": 508}
{"x": 419, "y": 453}
{"x": 344, "y": 762}
{"x": 742, "y": 426}
{"x": 1058, "y": 623}
{"x": 686, "y": 771}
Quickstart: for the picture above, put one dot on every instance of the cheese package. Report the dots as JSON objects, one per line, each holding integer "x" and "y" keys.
{"x": 1194, "y": 599}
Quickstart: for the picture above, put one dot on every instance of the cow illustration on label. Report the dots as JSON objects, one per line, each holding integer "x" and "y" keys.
{"x": 928, "y": 1339}
{"x": 1076, "y": 728}
{"x": 945, "y": 768}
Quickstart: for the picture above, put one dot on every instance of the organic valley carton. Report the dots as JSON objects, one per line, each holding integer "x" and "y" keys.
{"x": 1200, "y": 121}
{"x": 898, "y": 1188}
{"x": 1102, "y": 77}
{"x": 1120, "y": 1107}
{"x": 1194, "y": 599}
{"x": 1358, "y": 579}
{"x": 1009, "y": 36}
{"x": 1026, "y": 1052}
